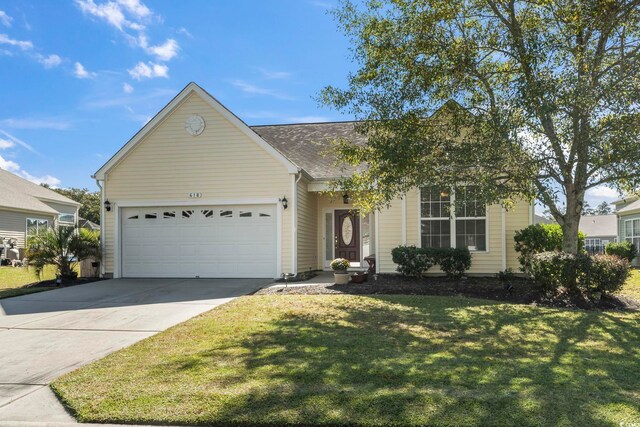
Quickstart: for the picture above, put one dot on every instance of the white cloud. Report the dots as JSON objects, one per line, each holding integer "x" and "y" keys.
{"x": 255, "y": 90}
{"x": 185, "y": 32}
{"x": 110, "y": 12}
{"x": 45, "y": 179}
{"x": 18, "y": 141}
{"x": 5, "y": 19}
{"x": 80, "y": 72}
{"x": 36, "y": 123}
{"x": 131, "y": 17}
{"x": 166, "y": 51}
{"x": 22, "y": 44}
{"x": 274, "y": 75}
{"x": 149, "y": 71}
{"x": 136, "y": 8}
{"x": 5, "y": 143}
{"x": 13, "y": 167}
{"x": 9, "y": 165}
{"x": 50, "y": 61}
{"x": 602, "y": 192}
{"x": 127, "y": 88}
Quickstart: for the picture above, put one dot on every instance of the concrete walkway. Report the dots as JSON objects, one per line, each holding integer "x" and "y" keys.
{"x": 47, "y": 334}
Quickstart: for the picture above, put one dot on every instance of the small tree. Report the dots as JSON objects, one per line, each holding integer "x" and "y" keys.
{"x": 63, "y": 247}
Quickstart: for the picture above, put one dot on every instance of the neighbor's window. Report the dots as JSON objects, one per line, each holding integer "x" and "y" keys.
{"x": 35, "y": 225}
{"x": 632, "y": 231}
{"x": 66, "y": 220}
{"x": 593, "y": 245}
{"x": 442, "y": 228}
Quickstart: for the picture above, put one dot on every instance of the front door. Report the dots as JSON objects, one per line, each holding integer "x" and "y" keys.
{"x": 347, "y": 235}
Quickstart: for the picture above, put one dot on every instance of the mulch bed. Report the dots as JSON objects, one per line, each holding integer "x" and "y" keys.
{"x": 516, "y": 290}
{"x": 52, "y": 283}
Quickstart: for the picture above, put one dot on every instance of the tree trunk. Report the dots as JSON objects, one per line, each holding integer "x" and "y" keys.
{"x": 571, "y": 223}
{"x": 570, "y": 234}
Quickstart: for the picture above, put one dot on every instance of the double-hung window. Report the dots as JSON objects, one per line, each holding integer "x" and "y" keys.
{"x": 465, "y": 227}
{"x": 435, "y": 213}
{"x": 632, "y": 231}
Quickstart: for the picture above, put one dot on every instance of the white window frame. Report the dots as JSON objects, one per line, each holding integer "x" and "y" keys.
{"x": 452, "y": 219}
{"x": 37, "y": 220}
{"x": 633, "y": 238}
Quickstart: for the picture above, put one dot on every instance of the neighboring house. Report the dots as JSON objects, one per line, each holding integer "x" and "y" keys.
{"x": 539, "y": 219}
{"x": 25, "y": 206}
{"x": 628, "y": 214}
{"x": 89, "y": 225}
{"x": 599, "y": 230}
{"x": 198, "y": 193}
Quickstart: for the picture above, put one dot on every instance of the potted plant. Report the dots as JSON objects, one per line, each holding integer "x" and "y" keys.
{"x": 339, "y": 267}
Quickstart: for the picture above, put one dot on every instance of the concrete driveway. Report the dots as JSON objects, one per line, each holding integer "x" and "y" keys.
{"x": 47, "y": 334}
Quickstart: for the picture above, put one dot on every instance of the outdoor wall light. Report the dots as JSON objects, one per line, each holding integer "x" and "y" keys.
{"x": 285, "y": 203}
{"x": 345, "y": 198}
{"x": 107, "y": 206}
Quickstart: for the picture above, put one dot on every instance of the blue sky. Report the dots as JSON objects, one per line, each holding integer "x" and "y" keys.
{"x": 78, "y": 78}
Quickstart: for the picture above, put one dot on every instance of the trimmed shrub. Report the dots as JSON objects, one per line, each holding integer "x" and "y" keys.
{"x": 540, "y": 238}
{"x": 454, "y": 261}
{"x": 554, "y": 269}
{"x": 412, "y": 261}
{"x": 582, "y": 272}
{"x": 625, "y": 250}
{"x": 607, "y": 274}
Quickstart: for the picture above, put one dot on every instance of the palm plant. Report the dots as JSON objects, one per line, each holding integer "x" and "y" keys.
{"x": 62, "y": 247}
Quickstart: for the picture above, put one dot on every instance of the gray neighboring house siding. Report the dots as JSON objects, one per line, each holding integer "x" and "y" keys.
{"x": 628, "y": 210}
{"x": 21, "y": 200}
{"x": 599, "y": 231}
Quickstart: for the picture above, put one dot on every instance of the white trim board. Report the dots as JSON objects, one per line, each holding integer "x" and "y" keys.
{"x": 170, "y": 107}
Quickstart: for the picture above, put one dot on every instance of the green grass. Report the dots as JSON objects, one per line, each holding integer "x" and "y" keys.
{"x": 631, "y": 288}
{"x": 365, "y": 360}
{"x": 13, "y": 280}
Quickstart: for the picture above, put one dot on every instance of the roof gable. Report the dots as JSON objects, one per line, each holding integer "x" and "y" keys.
{"x": 18, "y": 193}
{"x": 171, "y": 106}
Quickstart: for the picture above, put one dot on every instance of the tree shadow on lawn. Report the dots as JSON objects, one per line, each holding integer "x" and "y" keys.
{"x": 399, "y": 360}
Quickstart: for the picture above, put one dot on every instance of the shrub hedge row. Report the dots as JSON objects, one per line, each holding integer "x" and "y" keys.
{"x": 415, "y": 262}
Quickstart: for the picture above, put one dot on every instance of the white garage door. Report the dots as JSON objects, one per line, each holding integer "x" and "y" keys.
{"x": 204, "y": 241}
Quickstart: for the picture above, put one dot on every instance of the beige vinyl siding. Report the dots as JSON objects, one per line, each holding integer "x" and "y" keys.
{"x": 307, "y": 232}
{"x": 518, "y": 217}
{"x": 222, "y": 163}
{"x": 13, "y": 224}
{"x": 390, "y": 235}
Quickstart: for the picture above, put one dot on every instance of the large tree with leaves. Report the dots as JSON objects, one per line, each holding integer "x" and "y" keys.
{"x": 546, "y": 99}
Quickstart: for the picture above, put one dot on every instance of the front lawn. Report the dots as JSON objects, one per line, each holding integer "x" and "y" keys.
{"x": 371, "y": 360}
{"x": 631, "y": 287}
{"x": 14, "y": 280}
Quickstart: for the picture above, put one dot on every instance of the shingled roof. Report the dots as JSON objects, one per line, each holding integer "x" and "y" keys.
{"x": 18, "y": 193}
{"x": 306, "y": 145}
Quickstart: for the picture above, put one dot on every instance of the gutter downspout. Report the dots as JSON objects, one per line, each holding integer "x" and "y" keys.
{"x": 503, "y": 214}
{"x": 295, "y": 178}
{"x": 101, "y": 228}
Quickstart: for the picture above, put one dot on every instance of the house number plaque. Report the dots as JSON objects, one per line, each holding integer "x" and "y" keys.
{"x": 195, "y": 195}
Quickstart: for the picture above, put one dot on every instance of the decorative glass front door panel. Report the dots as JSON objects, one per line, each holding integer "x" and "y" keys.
{"x": 347, "y": 235}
